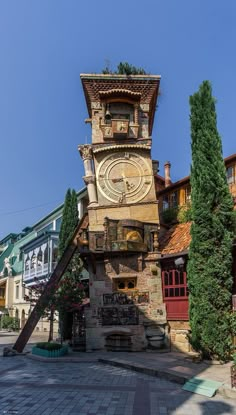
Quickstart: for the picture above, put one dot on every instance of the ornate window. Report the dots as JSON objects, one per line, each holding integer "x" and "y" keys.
{"x": 124, "y": 284}
{"x": 119, "y": 111}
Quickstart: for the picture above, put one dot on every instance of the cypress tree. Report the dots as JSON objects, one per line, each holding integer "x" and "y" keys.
{"x": 66, "y": 228}
{"x": 70, "y": 290}
{"x": 210, "y": 258}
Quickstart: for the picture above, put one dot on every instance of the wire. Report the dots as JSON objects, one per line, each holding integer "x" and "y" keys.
{"x": 13, "y": 212}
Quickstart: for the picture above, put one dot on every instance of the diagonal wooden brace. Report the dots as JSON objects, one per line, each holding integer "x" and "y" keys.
{"x": 49, "y": 290}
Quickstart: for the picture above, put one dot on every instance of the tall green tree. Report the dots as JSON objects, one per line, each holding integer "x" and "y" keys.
{"x": 210, "y": 257}
{"x": 70, "y": 290}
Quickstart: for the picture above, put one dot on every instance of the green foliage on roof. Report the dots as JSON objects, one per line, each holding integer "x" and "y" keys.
{"x": 125, "y": 68}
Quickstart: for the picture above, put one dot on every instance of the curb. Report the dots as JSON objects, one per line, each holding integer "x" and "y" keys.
{"x": 62, "y": 359}
{"x": 224, "y": 391}
{"x": 164, "y": 374}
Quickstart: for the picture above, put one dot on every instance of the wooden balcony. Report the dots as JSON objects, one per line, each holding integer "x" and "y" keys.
{"x": 38, "y": 272}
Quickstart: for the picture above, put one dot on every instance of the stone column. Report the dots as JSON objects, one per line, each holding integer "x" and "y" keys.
{"x": 89, "y": 178}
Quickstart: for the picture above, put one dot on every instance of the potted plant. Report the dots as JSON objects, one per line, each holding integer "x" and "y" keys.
{"x": 46, "y": 349}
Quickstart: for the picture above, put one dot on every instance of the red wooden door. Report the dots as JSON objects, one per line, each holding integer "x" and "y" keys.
{"x": 175, "y": 293}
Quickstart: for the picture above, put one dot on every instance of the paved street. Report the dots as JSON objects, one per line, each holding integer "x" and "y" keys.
{"x": 90, "y": 388}
{"x": 86, "y": 387}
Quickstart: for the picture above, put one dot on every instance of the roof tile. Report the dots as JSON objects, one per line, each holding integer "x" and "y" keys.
{"x": 176, "y": 239}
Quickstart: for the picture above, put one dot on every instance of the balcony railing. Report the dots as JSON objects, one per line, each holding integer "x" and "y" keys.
{"x": 39, "y": 271}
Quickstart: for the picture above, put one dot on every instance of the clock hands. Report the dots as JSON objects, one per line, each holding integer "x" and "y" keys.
{"x": 127, "y": 184}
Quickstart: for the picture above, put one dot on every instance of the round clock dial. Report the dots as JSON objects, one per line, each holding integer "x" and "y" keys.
{"x": 124, "y": 177}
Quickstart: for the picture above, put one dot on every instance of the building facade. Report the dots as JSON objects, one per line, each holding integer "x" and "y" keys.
{"x": 174, "y": 205}
{"x": 126, "y": 304}
{"x": 28, "y": 259}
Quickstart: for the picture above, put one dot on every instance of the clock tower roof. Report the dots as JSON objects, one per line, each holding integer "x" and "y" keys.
{"x": 142, "y": 89}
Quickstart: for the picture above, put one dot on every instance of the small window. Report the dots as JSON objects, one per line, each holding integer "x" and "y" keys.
{"x": 17, "y": 292}
{"x": 2, "y": 292}
{"x": 174, "y": 199}
{"x": 121, "y": 285}
{"x": 47, "y": 228}
{"x": 125, "y": 284}
{"x": 230, "y": 175}
{"x": 130, "y": 285}
{"x": 58, "y": 224}
{"x": 188, "y": 194}
{"x": 165, "y": 202}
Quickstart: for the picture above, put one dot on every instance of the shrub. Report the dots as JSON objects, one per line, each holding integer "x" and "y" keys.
{"x": 49, "y": 346}
{"x": 10, "y": 323}
{"x": 169, "y": 216}
{"x": 184, "y": 214}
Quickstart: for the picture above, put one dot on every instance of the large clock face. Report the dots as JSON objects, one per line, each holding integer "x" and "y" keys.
{"x": 124, "y": 177}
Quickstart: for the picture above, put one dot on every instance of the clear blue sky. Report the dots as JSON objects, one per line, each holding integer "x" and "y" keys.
{"x": 46, "y": 44}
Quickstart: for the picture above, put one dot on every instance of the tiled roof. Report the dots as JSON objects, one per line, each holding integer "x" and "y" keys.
{"x": 177, "y": 239}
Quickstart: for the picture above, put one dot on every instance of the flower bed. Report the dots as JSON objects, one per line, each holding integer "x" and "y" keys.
{"x": 49, "y": 350}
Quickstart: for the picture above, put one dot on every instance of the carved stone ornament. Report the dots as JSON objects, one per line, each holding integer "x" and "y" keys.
{"x": 144, "y": 107}
{"x": 96, "y": 105}
{"x": 85, "y": 151}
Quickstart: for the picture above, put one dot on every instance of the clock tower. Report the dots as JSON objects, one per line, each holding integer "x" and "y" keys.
{"x": 126, "y": 305}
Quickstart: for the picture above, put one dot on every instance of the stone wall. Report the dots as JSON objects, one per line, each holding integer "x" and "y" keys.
{"x": 138, "y": 312}
{"x": 179, "y": 336}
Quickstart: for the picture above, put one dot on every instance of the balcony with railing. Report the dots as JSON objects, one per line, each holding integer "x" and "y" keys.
{"x": 40, "y": 258}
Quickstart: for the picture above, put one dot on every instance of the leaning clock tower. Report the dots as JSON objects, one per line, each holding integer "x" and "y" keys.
{"x": 126, "y": 305}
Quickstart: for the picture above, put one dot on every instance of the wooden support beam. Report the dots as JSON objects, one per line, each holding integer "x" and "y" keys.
{"x": 50, "y": 289}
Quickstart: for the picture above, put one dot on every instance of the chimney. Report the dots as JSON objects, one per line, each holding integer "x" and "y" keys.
{"x": 167, "y": 166}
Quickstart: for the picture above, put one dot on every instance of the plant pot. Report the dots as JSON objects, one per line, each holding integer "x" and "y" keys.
{"x": 50, "y": 353}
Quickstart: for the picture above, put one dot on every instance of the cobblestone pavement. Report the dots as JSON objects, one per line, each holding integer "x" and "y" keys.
{"x": 32, "y": 387}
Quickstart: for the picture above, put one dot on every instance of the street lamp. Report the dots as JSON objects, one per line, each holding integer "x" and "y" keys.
{"x": 179, "y": 262}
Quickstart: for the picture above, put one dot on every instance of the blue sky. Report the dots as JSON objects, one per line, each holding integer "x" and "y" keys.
{"x": 46, "y": 44}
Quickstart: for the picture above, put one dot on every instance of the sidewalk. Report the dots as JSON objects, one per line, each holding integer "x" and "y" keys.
{"x": 172, "y": 366}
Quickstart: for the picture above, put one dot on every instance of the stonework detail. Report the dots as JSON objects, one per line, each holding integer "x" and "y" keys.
{"x": 126, "y": 303}
{"x": 86, "y": 151}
